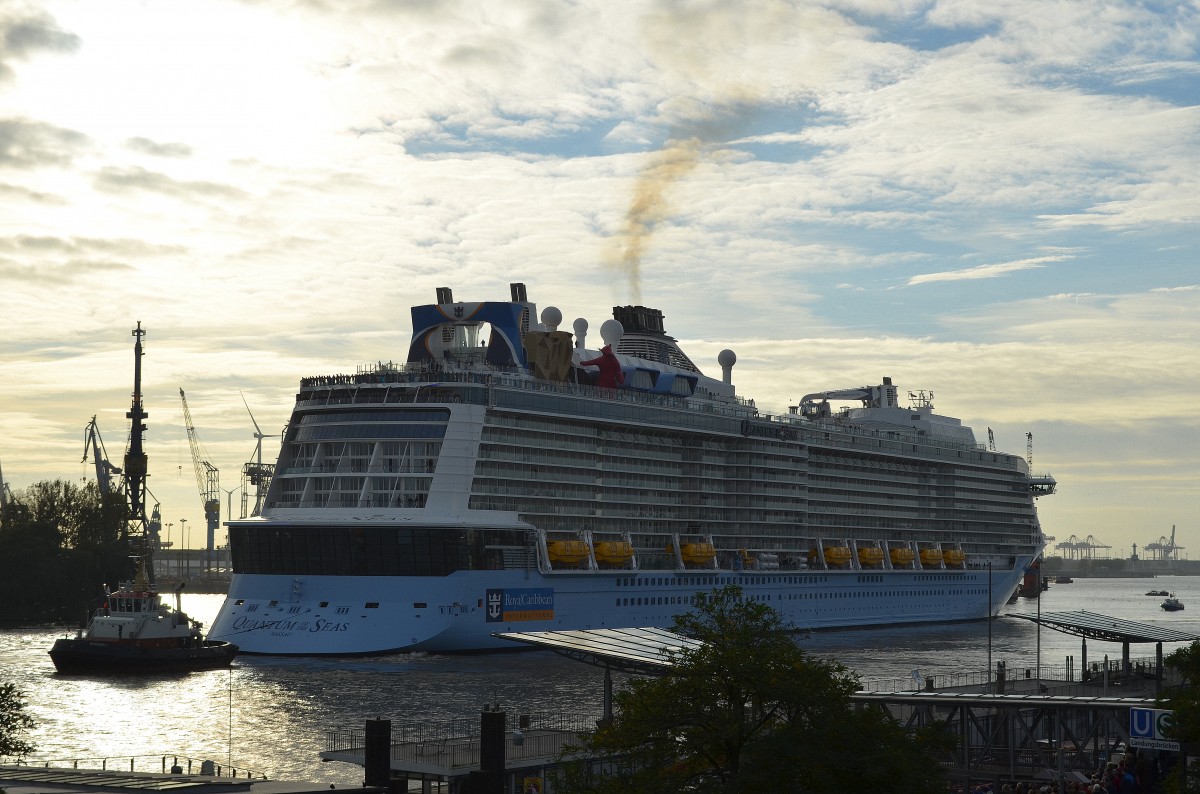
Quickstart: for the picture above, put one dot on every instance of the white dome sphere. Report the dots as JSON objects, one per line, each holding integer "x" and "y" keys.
{"x": 611, "y": 332}
{"x": 551, "y": 317}
{"x": 726, "y": 358}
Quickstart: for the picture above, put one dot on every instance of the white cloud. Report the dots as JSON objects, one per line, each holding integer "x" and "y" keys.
{"x": 996, "y": 270}
{"x": 270, "y": 186}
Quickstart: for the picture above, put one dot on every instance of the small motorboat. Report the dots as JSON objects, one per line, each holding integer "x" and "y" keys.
{"x": 134, "y": 632}
{"x": 1172, "y": 604}
{"x": 1157, "y": 593}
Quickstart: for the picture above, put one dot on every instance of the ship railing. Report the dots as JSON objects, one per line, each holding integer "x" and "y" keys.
{"x": 160, "y": 764}
{"x": 510, "y": 377}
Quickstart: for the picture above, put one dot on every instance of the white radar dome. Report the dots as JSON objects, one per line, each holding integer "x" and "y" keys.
{"x": 611, "y": 332}
{"x": 551, "y": 318}
{"x": 727, "y": 359}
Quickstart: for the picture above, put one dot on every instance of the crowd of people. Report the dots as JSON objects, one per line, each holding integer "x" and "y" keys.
{"x": 1134, "y": 773}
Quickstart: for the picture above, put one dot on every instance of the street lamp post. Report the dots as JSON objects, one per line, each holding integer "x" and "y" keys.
{"x": 182, "y": 529}
{"x": 168, "y": 559}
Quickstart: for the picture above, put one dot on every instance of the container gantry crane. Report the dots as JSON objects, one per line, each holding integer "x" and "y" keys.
{"x": 207, "y": 480}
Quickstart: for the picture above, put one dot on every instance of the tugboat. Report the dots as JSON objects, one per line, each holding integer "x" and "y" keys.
{"x": 134, "y": 632}
{"x": 1172, "y": 604}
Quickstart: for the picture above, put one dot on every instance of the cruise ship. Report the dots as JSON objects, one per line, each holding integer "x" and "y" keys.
{"x": 507, "y": 477}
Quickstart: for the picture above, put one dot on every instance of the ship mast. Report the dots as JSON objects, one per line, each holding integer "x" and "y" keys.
{"x": 138, "y": 528}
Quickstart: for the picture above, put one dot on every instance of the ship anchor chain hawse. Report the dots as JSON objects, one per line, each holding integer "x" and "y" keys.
{"x": 512, "y": 476}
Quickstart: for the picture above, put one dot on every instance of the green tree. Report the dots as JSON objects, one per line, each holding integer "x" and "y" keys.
{"x": 1184, "y": 699}
{"x": 14, "y": 721}
{"x": 61, "y": 543}
{"x": 747, "y": 711}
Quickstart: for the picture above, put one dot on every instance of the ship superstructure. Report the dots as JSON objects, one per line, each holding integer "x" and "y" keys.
{"x": 491, "y": 484}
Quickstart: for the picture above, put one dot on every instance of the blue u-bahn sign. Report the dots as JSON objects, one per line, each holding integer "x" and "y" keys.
{"x": 1148, "y": 728}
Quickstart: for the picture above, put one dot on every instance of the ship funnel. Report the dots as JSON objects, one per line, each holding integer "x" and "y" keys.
{"x": 517, "y": 290}
{"x": 445, "y": 295}
{"x": 726, "y": 358}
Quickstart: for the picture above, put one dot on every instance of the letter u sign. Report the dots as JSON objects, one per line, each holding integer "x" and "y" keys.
{"x": 1141, "y": 723}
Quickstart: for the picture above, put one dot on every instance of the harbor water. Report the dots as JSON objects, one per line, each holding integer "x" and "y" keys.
{"x": 269, "y": 715}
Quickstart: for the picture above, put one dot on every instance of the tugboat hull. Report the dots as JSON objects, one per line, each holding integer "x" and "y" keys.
{"x": 88, "y": 656}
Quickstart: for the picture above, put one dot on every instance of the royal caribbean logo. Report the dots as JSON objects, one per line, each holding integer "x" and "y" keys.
{"x": 507, "y": 606}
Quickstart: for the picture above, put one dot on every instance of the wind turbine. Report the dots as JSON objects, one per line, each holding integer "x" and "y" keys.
{"x": 255, "y": 473}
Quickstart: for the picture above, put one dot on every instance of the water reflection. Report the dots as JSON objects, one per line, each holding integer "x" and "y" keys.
{"x": 270, "y": 714}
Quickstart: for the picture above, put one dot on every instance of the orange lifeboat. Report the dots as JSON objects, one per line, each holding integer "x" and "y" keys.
{"x": 870, "y": 556}
{"x": 954, "y": 557}
{"x": 835, "y": 556}
{"x": 611, "y": 552}
{"x": 902, "y": 556}
{"x": 931, "y": 558}
{"x": 567, "y": 552}
{"x": 697, "y": 553}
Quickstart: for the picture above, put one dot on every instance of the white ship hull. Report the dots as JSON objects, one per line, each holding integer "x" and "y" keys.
{"x": 460, "y": 612}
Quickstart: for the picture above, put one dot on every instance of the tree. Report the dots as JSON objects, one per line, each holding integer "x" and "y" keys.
{"x": 61, "y": 543}
{"x": 13, "y": 722}
{"x": 748, "y": 711}
{"x": 1184, "y": 700}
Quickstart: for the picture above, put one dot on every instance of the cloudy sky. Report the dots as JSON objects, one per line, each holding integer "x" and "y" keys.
{"x": 993, "y": 200}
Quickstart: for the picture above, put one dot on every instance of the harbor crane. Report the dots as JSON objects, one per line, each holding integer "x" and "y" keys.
{"x": 104, "y": 469}
{"x": 256, "y": 474}
{"x": 207, "y": 480}
{"x": 1163, "y": 549}
{"x": 140, "y": 536}
{"x": 5, "y": 498}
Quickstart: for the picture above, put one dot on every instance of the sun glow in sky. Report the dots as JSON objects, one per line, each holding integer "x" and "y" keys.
{"x": 996, "y": 202}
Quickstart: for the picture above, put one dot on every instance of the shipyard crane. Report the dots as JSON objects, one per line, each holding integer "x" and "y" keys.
{"x": 5, "y": 498}
{"x": 104, "y": 469}
{"x": 138, "y": 533}
{"x": 256, "y": 473}
{"x": 207, "y": 480}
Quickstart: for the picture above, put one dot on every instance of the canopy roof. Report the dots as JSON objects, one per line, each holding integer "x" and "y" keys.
{"x": 1091, "y": 625}
{"x": 630, "y": 650}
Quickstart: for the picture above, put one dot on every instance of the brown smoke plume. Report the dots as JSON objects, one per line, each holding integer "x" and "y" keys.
{"x": 650, "y": 206}
{"x": 719, "y": 62}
